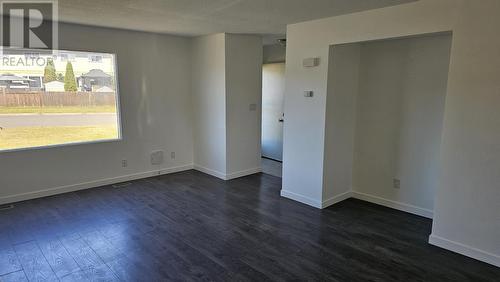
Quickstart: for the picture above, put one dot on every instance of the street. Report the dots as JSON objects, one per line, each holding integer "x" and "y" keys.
{"x": 51, "y": 120}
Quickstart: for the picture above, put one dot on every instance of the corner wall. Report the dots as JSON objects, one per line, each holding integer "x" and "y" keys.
{"x": 467, "y": 201}
{"x": 156, "y": 114}
{"x": 304, "y": 131}
{"x": 209, "y": 103}
{"x": 227, "y": 94}
{"x": 340, "y": 121}
{"x": 243, "y": 104}
{"x": 399, "y": 120}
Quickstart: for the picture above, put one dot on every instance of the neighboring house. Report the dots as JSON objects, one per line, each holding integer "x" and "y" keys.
{"x": 14, "y": 82}
{"x": 35, "y": 82}
{"x": 94, "y": 80}
{"x": 54, "y": 86}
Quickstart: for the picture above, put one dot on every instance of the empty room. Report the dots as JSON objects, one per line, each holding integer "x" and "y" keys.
{"x": 243, "y": 140}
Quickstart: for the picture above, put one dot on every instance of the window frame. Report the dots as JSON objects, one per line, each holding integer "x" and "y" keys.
{"x": 117, "y": 103}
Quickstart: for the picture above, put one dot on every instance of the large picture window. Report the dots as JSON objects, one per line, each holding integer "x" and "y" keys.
{"x": 56, "y": 98}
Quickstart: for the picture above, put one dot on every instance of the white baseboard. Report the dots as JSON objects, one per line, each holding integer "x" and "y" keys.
{"x": 464, "y": 250}
{"x": 393, "y": 204}
{"x": 90, "y": 184}
{"x": 361, "y": 196}
{"x": 229, "y": 176}
{"x": 211, "y": 172}
{"x": 300, "y": 198}
{"x": 336, "y": 199}
{"x": 243, "y": 173}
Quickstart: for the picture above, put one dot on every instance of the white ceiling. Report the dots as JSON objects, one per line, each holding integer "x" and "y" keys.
{"x": 198, "y": 17}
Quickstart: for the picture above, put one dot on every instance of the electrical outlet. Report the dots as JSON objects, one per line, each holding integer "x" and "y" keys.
{"x": 396, "y": 183}
{"x": 124, "y": 163}
{"x": 172, "y": 155}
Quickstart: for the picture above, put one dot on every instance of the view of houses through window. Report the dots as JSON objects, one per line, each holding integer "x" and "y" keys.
{"x": 57, "y": 98}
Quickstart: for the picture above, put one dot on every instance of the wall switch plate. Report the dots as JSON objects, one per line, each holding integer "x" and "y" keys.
{"x": 252, "y": 107}
{"x": 124, "y": 163}
{"x": 157, "y": 157}
{"x": 396, "y": 183}
{"x": 308, "y": 93}
{"x": 172, "y": 155}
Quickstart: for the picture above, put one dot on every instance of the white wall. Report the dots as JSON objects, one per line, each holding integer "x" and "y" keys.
{"x": 209, "y": 103}
{"x": 402, "y": 89}
{"x": 467, "y": 206}
{"x": 340, "y": 121}
{"x": 243, "y": 88}
{"x": 275, "y": 53}
{"x": 161, "y": 80}
{"x": 154, "y": 84}
{"x": 466, "y": 218}
{"x": 304, "y": 131}
{"x": 227, "y": 78}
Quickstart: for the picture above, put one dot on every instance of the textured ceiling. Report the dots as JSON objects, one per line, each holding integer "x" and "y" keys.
{"x": 198, "y": 17}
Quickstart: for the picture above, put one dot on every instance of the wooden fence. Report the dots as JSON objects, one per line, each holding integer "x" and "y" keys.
{"x": 57, "y": 99}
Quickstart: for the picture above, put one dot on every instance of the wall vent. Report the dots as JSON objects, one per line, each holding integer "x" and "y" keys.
{"x": 157, "y": 157}
{"x": 6, "y": 207}
{"x": 121, "y": 185}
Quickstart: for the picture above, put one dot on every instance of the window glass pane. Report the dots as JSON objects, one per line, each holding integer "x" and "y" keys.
{"x": 57, "y": 98}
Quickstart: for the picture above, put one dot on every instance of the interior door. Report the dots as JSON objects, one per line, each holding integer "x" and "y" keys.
{"x": 273, "y": 90}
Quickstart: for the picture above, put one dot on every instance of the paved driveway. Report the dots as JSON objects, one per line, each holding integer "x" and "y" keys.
{"x": 35, "y": 120}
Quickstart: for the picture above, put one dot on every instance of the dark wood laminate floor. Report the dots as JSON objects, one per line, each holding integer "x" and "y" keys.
{"x": 191, "y": 226}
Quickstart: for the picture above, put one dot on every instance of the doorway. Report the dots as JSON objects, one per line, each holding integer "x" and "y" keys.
{"x": 273, "y": 90}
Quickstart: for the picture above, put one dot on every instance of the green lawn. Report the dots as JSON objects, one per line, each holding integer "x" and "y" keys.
{"x": 24, "y": 137}
{"x": 57, "y": 110}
